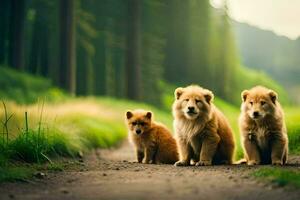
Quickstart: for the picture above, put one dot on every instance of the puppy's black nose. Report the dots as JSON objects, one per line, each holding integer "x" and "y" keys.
{"x": 138, "y": 131}
{"x": 255, "y": 114}
{"x": 191, "y": 108}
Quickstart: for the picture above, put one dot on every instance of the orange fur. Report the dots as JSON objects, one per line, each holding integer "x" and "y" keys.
{"x": 153, "y": 142}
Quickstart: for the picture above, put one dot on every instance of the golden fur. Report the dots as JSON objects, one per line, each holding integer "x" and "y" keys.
{"x": 262, "y": 127}
{"x": 203, "y": 134}
{"x": 151, "y": 140}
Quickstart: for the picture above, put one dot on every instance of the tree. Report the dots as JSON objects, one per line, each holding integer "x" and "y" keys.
{"x": 198, "y": 42}
{"x": 133, "y": 54}
{"x": 176, "y": 45}
{"x": 4, "y": 21}
{"x": 85, "y": 49}
{"x": 16, "y": 40}
{"x": 39, "y": 56}
{"x": 153, "y": 44}
{"x": 67, "y": 46}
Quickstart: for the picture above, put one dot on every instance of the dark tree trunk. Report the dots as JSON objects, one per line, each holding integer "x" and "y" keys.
{"x": 133, "y": 62}
{"x": 67, "y": 46}
{"x": 39, "y": 62}
{"x": 176, "y": 41}
{"x": 4, "y": 21}
{"x": 16, "y": 41}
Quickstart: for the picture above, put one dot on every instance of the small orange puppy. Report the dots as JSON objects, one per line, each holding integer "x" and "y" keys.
{"x": 152, "y": 140}
{"x": 262, "y": 127}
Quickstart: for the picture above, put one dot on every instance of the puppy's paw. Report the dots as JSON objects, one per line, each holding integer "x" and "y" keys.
{"x": 151, "y": 162}
{"x": 148, "y": 162}
{"x": 203, "y": 163}
{"x": 193, "y": 162}
{"x": 252, "y": 162}
{"x": 277, "y": 162}
{"x": 181, "y": 164}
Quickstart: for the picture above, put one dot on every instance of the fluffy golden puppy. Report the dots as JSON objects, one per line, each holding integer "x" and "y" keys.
{"x": 202, "y": 132}
{"x": 262, "y": 127}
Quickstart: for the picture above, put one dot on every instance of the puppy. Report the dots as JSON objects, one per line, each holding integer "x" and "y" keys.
{"x": 153, "y": 142}
{"x": 262, "y": 127}
{"x": 202, "y": 132}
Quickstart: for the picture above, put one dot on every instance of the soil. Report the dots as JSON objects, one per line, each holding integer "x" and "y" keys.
{"x": 113, "y": 174}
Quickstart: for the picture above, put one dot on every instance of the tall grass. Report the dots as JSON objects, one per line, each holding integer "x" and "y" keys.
{"x": 51, "y": 130}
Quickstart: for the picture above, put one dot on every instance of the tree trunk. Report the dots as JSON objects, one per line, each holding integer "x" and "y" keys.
{"x": 39, "y": 61}
{"x": 67, "y": 46}
{"x": 16, "y": 41}
{"x": 133, "y": 68}
{"x": 4, "y": 21}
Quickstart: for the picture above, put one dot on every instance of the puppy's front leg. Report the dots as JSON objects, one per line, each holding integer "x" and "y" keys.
{"x": 140, "y": 155}
{"x": 185, "y": 152}
{"x": 209, "y": 148}
{"x": 251, "y": 150}
{"x": 150, "y": 152}
{"x": 278, "y": 149}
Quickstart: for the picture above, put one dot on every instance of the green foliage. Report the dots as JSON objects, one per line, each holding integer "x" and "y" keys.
{"x": 55, "y": 167}
{"x": 36, "y": 146}
{"x": 97, "y": 133}
{"x": 15, "y": 173}
{"x": 279, "y": 176}
{"x": 26, "y": 88}
{"x": 292, "y": 118}
{"x": 248, "y": 78}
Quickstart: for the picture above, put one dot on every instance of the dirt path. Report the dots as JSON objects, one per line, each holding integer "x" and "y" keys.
{"x": 111, "y": 174}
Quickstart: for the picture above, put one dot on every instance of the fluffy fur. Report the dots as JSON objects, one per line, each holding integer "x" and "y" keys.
{"x": 262, "y": 127}
{"x": 202, "y": 132}
{"x": 153, "y": 142}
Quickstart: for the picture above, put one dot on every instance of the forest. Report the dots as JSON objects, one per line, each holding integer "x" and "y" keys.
{"x": 124, "y": 49}
{"x": 70, "y": 69}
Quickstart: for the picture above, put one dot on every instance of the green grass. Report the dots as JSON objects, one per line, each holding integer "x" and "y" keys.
{"x": 15, "y": 173}
{"x": 292, "y": 118}
{"x": 25, "y": 88}
{"x": 279, "y": 176}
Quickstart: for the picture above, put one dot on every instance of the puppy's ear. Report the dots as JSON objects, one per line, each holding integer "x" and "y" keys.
{"x": 273, "y": 95}
{"x": 209, "y": 96}
{"x": 149, "y": 115}
{"x": 129, "y": 114}
{"x": 244, "y": 95}
{"x": 178, "y": 92}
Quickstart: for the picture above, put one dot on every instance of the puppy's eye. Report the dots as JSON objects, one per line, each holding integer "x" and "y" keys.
{"x": 142, "y": 123}
{"x": 186, "y": 100}
{"x": 251, "y": 103}
{"x": 133, "y": 123}
{"x": 198, "y": 101}
{"x": 262, "y": 103}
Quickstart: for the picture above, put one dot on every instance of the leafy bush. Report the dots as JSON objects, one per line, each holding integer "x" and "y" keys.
{"x": 248, "y": 78}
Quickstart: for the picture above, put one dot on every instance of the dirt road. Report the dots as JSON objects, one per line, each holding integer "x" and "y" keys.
{"x": 111, "y": 174}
